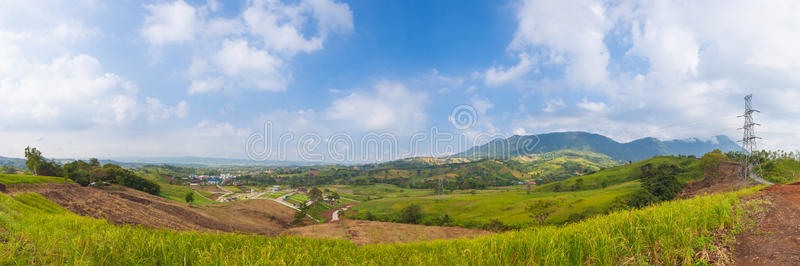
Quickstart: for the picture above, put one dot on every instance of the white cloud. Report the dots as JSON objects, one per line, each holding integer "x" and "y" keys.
{"x": 157, "y": 111}
{"x": 390, "y": 107}
{"x": 250, "y": 66}
{"x": 592, "y": 106}
{"x": 553, "y": 105}
{"x": 569, "y": 32}
{"x": 206, "y": 85}
{"x": 169, "y": 22}
{"x": 497, "y": 75}
{"x": 250, "y": 50}
{"x": 481, "y": 104}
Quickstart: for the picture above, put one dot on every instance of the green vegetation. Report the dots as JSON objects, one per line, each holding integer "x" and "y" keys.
{"x": 476, "y": 208}
{"x": 87, "y": 173}
{"x": 30, "y": 179}
{"x": 37, "y": 231}
{"x": 632, "y": 185}
{"x": 38, "y": 165}
{"x": 176, "y": 192}
{"x": 560, "y": 165}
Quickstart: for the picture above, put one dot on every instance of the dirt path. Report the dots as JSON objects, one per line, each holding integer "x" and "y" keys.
{"x": 775, "y": 240}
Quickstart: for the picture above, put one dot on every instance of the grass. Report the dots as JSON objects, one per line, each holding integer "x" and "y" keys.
{"x": 377, "y": 191}
{"x": 177, "y": 192}
{"x": 468, "y": 209}
{"x": 629, "y": 172}
{"x": 40, "y": 232}
{"x": 30, "y": 179}
{"x": 782, "y": 171}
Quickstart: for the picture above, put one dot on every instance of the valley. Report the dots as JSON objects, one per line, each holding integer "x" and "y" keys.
{"x": 578, "y": 204}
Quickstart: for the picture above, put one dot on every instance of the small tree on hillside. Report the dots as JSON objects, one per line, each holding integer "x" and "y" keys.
{"x": 189, "y": 197}
{"x": 710, "y": 163}
{"x": 334, "y": 196}
{"x": 411, "y": 214}
{"x": 540, "y": 210}
{"x": 315, "y": 194}
{"x": 33, "y": 159}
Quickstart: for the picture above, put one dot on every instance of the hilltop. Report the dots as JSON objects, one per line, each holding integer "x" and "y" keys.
{"x": 636, "y": 150}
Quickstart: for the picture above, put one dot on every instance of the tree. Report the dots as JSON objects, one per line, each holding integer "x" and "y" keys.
{"x": 411, "y": 214}
{"x": 189, "y": 197}
{"x": 710, "y": 163}
{"x": 315, "y": 194}
{"x": 33, "y": 159}
{"x": 334, "y": 196}
{"x": 39, "y": 165}
{"x": 539, "y": 210}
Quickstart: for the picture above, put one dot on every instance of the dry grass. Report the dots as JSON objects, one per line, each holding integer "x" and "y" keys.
{"x": 370, "y": 232}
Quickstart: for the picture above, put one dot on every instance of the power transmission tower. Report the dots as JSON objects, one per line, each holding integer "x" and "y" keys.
{"x": 441, "y": 188}
{"x": 749, "y": 137}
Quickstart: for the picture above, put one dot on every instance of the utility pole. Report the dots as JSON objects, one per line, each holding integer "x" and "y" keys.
{"x": 749, "y": 137}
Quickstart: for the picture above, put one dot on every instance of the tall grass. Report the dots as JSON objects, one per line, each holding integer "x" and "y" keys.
{"x": 40, "y": 232}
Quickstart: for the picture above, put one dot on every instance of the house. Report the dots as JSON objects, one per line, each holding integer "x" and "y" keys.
{"x": 532, "y": 182}
{"x": 313, "y": 173}
{"x": 276, "y": 188}
{"x": 302, "y": 190}
{"x": 213, "y": 181}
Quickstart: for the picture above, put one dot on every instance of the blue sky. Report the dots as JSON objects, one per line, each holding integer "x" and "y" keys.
{"x": 200, "y": 78}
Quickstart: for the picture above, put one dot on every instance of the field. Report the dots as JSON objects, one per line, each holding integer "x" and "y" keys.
{"x": 628, "y": 172}
{"x": 598, "y": 193}
{"x": 39, "y": 231}
{"x": 177, "y": 192}
{"x": 506, "y": 205}
{"x": 30, "y": 179}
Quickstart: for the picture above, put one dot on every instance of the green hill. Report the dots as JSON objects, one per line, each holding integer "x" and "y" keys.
{"x": 561, "y": 164}
{"x": 626, "y": 173}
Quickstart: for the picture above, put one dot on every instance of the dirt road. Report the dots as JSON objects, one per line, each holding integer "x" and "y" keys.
{"x": 775, "y": 240}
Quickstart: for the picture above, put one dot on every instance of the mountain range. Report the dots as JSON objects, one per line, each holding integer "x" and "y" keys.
{"x": 636, "y": 150}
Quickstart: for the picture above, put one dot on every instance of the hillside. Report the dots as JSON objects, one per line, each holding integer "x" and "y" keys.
{"x": 626, "y": 173}
{"x": 582, "y": 141}
{"x": 677, "y": 232}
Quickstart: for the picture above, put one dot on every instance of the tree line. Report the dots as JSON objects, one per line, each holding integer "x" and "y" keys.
{"x": 86, "y": 173}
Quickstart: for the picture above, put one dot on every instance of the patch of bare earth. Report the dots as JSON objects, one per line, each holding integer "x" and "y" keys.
{"x": 371, "y": 232}
{"x": 725, "y": 180}
{"x": 122, "y": 205}
{"x": 775, "y": 240}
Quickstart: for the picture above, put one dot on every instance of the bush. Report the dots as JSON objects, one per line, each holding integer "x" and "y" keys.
{"x": 411, "y": 214}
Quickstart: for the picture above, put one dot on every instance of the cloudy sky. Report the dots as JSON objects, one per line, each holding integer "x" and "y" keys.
{"x": 199, "y": 78}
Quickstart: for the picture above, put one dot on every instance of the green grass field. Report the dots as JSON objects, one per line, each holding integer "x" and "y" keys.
{"x": 37, "y": 231}
{"x": 30, "y": 179}
{"x": 506, "y": 206}
{"x": 629, "y": 172}
{"x": 176, "y": 192}
{"x": 472, "y": 208}
{"x": 377, "y": 191}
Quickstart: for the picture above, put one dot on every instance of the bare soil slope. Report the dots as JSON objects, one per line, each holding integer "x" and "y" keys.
{"x": 127, "y": 206}
{"x": 727, "y": 179}
{"x": 775, "y": 240}
{"x": 370, "y": 232}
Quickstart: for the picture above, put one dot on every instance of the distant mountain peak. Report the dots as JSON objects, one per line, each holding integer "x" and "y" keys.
{"x": 635, "y": 150}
